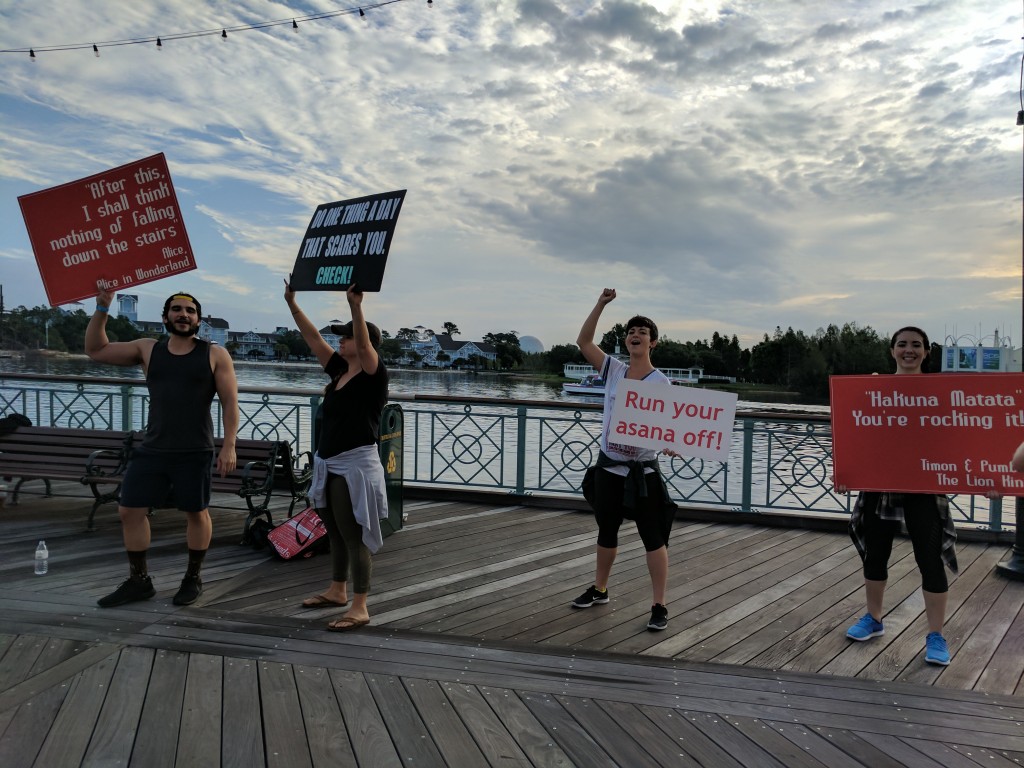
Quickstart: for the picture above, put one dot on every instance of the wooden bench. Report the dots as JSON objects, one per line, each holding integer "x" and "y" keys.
{"x": 98, "y": 458}
{"x": 94, "y": 457}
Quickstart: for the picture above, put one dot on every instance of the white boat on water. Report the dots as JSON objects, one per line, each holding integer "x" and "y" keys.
{"x": 588, "y": 385}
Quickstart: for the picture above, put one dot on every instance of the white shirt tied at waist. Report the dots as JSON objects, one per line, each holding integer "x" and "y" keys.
{"x": 364, "y": 475}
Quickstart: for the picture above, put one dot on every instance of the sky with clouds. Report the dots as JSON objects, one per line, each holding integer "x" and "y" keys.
{"x": 726, "y": 166}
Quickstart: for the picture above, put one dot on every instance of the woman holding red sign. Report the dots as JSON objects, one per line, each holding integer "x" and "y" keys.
{"x": 877, "y": 517}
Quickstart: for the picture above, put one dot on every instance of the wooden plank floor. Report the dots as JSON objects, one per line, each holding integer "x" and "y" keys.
{"x": 474, "y": 657}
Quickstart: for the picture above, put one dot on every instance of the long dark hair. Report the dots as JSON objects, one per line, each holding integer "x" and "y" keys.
{"x": 912, "y": 329}
{"x": 334, "y": 381}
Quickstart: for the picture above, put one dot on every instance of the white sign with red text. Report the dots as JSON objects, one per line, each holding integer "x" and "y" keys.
{"x": 689, "y": 420}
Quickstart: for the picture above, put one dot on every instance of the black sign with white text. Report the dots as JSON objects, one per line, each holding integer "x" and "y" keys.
{"x": 348, "y": 242}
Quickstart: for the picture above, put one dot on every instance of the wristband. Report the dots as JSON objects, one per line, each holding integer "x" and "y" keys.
{"x": 101, "y": 308}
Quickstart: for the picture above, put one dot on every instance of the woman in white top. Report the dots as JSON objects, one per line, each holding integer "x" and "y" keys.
{"x": 627, "y": 481}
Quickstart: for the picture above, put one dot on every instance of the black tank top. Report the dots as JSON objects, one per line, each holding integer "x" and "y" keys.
{"x": 181, "y": 388}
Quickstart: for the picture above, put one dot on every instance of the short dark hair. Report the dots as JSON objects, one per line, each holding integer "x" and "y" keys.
{"x": 345, "y": 329}
{"x": 639, "y": 321}
{"x": 912, "y": 329}
{"x": 189, "y": 296}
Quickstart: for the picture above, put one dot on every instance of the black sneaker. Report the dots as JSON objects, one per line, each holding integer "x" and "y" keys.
{"x": 592, "y": 596}
{"x": 190, "y": 590}
{"x": 659, "y": 618}
{"x": 132, "y": 589}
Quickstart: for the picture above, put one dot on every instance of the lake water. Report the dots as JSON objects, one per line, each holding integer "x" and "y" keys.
{"x": 404, "y": 382}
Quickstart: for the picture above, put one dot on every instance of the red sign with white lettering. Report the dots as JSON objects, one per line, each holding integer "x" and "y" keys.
{"x": 122, "y": 227}
{"x": 928, "y": 433}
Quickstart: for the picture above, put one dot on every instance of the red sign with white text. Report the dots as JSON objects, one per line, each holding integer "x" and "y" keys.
{"x": 928, "y": 433}
{"x": 122, "y": 227}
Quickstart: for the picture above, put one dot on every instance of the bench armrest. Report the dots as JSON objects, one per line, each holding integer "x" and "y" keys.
{"x": 303, "y": 469}
{"x": 93, "y": 469}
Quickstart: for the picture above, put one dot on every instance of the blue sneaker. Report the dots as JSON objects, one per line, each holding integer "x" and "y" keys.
{"x": 936, "y": 651}
{"x": 865, "y": 629}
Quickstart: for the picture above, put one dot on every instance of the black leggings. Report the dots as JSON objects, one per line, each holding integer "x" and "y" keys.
{"x": 346, "y": 536}
{"x": 652, "y": 523}
{"x": 921, "y": 515}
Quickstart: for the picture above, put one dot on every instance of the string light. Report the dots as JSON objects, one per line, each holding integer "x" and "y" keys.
{"x": 222, "y": 32}
{"x": 95, "y": 51}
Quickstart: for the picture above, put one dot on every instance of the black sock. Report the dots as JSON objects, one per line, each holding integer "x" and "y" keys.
{"x": 137, "y": 564}
{"x": 195, "y": 562}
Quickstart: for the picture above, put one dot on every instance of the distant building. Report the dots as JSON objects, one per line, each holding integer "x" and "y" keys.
{"x": 330, "y": 336}
{"x": 440, "y": 350}
{"x": 150, "y": 327}
{"x": 253, "y": 345}
{"x": 214, "y": 330}
{"x": 128, "y": 307}
{"x": 531, "y": 345}
{"x": 988, "y": 354}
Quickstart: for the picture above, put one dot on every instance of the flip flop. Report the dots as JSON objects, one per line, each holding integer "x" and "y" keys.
{"x": 321, "y": 601}
{"x": 346, "y": 623}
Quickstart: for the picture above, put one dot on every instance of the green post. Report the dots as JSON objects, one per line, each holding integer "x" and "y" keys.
{"x": 995, "y": 514}
{"x": 748, "y": 464}
{"x": 520, "y": 450}
{"x": 392, "y": 423}
{"x": 126, "y": 407}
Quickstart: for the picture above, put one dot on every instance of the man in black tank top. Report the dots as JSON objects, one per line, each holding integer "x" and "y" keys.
{"x": 183, "y": 373}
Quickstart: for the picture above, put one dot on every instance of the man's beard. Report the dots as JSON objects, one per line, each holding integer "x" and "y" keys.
{"x": 175, "y": 331}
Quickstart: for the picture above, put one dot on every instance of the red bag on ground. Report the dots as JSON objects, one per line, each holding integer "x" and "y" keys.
{"x": 297, "y": 535}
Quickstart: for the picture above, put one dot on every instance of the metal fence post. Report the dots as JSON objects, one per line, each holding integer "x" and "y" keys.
{"x": 520, "y": 450}
{"x": 748, "y": 465}
{"x": 126, "y": 408}
{"x": 314, "y": 407}
{"x": 995, "y": 514}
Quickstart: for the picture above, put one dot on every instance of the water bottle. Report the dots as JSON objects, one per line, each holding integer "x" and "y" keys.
{"x": 42, "y": 556}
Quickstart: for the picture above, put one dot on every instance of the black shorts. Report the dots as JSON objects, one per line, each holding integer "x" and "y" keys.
{"x": 653, "y": 518}
{"x": 180, "y": 480}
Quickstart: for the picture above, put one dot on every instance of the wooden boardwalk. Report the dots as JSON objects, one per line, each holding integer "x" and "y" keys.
{"x": 474, "y": 657}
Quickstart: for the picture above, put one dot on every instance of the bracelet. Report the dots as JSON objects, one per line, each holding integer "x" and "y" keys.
{"x": 101, "y": 308}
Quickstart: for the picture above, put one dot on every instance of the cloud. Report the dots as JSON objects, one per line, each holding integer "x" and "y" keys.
{"x": 730, "y": 167}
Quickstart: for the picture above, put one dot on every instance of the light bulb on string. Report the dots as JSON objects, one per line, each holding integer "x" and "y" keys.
{"x": 363, "y": 14}
{"x": 430, "y": 3}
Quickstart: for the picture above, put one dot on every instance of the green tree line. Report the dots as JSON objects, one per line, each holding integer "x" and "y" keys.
{"x": 49, "y": 328}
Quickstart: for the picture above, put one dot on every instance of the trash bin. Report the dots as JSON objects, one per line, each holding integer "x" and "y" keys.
{"x": 392, "y": 422}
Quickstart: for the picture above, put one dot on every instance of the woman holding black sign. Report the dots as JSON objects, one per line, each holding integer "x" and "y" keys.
{"x": 877, "y": 517}
{"x": 348, "y": 480}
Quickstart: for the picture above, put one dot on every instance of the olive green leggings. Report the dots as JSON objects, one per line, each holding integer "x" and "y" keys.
{"x": 346, "y": 537}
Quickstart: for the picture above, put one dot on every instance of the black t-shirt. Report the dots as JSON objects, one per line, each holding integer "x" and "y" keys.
{"x": 351, "y": 415}
{"x": 181, "y": 389}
